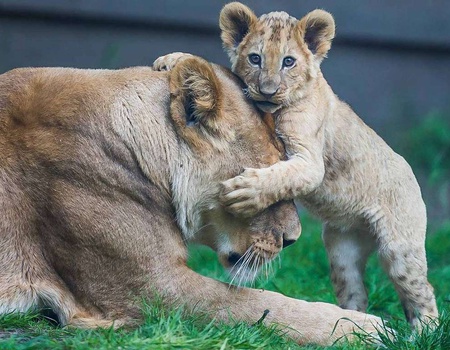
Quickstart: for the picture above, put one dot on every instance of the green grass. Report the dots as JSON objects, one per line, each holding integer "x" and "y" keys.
{"x": 303, "y": 274}
{"x": 427, "y": 148}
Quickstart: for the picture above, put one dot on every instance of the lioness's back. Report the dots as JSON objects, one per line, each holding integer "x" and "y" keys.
{"x": 61, "y": 95}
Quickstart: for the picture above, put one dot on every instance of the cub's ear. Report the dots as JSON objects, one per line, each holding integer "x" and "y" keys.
{"x": 317, "y": 29}
{"x": 236, "y": 20}
{"x": 196, "y": 96}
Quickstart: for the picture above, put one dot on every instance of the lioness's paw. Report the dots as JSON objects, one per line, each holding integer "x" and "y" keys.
{"x": 368, "y": 326}
{"x": 167, "y": 62}
{"x": 246, "y": 195}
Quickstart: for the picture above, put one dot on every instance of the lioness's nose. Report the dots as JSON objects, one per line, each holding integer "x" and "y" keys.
{"x": 291, "y": 234}
{"x": 289, "y": 222}
{"x": 288, "y": 242}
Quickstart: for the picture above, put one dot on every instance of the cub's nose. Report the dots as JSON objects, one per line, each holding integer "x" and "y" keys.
{"x": 268, "y": 92}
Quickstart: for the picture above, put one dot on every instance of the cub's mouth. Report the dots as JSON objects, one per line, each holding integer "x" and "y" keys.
{"x": 268, "y": 107}
{"x": 265, "y": 106}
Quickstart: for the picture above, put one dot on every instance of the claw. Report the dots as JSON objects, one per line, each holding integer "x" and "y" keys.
{"x": 244, "y": 195}
{"x": 167, "y": 62}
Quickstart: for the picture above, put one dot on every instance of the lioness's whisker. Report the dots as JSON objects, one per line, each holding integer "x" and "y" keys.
{"x": 247, "y": 252}
{"x": 249, "y": 277}
{"x": 245, "y": 262}
{"x": 241, "y": 268}
{"x": 246, "y": 269}
{"x": 240, "y": 264}
{"x": 250, "y": 264}
{"x": 270, "y": 263}
{"x": 266, "y": 269}
{"x": 256, "y": 268}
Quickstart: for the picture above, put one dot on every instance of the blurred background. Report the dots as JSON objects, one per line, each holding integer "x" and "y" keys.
{"x": 390, "y": 60}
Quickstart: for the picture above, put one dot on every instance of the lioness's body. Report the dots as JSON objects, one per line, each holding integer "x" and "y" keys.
{"x": 339, "y": 168}
{"x": 101, "y": 187}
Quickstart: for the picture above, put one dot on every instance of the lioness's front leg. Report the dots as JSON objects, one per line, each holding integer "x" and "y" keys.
{"x": 306, "y": 322}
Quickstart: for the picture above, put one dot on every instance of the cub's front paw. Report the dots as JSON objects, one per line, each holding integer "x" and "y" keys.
{"x": 167, "y": 62}
{"x": 246, "y": 195}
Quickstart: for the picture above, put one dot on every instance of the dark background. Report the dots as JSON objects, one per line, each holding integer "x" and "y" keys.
{"x": 390, "y": 60}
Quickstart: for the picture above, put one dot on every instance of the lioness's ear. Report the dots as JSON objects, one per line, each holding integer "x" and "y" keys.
{"x": 236, "y": 20}
{"x": 196, "y": 96}
{"x": 317, "y": 29}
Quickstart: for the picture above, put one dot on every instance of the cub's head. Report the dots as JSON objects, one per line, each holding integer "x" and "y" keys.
{"x": 220, "y": 133}
{"x": 277, "y": 56}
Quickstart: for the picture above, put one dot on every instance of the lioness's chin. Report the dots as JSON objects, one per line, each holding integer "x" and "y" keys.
{"x": 245, "y": 269}
{"x": 268, "y": 107}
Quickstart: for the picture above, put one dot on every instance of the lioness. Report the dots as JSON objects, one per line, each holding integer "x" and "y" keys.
{"x": 338, "y": 168}
{"x": 106, "y": 175}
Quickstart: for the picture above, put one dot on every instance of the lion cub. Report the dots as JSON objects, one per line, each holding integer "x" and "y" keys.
{"x": 337, "y": 167}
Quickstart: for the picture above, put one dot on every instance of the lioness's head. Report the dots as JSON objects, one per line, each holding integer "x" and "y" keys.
{"x": 276, "y": 55}
{"x": 221, "y": 133}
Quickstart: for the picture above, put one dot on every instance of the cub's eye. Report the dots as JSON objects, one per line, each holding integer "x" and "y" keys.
{"x": 254, "y": 59}
{"x": 288, "y": 61}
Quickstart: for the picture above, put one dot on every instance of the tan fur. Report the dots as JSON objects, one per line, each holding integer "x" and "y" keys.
{"x": 366, "y": 194}
{"x": 101, "y": 187}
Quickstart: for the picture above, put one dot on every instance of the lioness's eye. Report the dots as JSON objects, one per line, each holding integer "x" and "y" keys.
{"x": 288, "y": 61}
{"x": 254, "y": 59}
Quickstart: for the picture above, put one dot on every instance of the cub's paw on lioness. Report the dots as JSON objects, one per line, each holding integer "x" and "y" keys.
{"x": 168, "y": 62}
{"x": 245, "y": 194}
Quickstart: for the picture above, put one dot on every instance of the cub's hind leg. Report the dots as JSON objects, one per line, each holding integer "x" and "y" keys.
{"x": 402, "y": 253}
{"x": 348, "y": 251}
